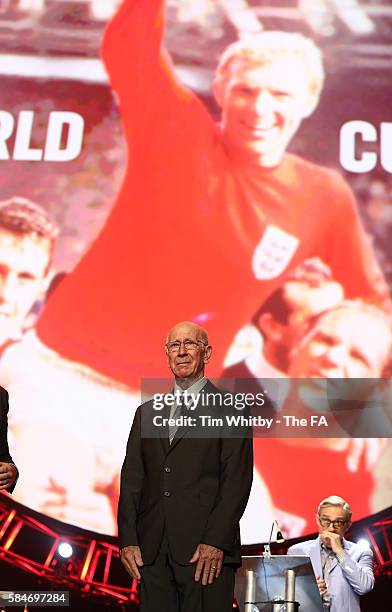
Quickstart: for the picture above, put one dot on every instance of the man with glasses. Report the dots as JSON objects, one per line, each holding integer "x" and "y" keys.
{"x": 182, "y": 495}
{"x": 343, "y": 569}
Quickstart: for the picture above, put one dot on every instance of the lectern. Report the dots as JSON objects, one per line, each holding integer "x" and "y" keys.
{"x": 277, "y": 583}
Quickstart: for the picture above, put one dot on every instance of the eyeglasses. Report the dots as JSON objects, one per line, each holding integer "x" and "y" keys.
{"x": 338, "y": 524}
{"x": 189, "y": 345}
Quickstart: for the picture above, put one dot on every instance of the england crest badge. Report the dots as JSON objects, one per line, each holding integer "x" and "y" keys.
{"x": 273, "y": 253}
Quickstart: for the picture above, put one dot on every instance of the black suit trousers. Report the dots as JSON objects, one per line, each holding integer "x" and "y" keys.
{"x": 168, "y": 586}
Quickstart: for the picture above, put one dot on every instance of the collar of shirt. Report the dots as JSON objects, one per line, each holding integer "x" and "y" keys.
{"x": 329, "y": 551}
{"x": 189, "y": 394}
{"x": 327, "y": 555}
{"x": 193, "y": 389}
{"x": 325, "y": 550}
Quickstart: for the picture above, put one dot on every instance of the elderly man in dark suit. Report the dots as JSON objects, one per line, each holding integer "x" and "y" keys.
{"x": 183, "y": 494}
{"x": 8, "y": 470}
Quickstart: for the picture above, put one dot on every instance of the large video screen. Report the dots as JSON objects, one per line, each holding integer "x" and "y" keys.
{"x": 226, "y": 162}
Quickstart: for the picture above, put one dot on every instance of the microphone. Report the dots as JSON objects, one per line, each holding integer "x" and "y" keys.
{"x": 279, "y": 539}
{"x": 279, "y": 535}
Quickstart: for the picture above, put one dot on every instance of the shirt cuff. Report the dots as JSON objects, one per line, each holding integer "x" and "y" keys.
{"x": 340, "y": 556}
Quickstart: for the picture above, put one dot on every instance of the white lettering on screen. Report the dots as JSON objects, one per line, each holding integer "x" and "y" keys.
{"x": 353, "y": 132}
{"x": 63, "y": 138}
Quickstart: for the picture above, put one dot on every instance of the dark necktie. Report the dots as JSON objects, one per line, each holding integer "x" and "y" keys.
{"x": 175, "y": 415}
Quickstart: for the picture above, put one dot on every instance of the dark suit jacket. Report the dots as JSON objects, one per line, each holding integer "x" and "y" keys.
{"x": 4, "y": 450}
{"x": 196, "y": 488}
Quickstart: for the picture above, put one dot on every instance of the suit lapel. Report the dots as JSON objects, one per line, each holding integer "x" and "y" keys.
{"x": 315, "y": 557}
{"x": 334, "y": 561}
{"x": 164, "y": 431}
{"x": 183, "y": 431}
{"x": 333, "y": 564}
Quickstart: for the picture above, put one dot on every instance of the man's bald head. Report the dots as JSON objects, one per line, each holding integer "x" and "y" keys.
{"x": 184, "y": 325}
{"x": 187, "y": 351}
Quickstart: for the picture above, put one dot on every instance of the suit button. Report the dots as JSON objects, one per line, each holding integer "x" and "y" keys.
{"x": 167, "y": 493}
{"x": 167, "y": 469}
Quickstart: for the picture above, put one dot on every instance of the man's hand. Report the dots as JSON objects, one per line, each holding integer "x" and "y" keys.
{"x": 333, "y": 541}
{"x": 322, "y": 586}
{"x": 8, "y": 475}
{"x": 209, "y": 562}
{"x": 131, "y": 558}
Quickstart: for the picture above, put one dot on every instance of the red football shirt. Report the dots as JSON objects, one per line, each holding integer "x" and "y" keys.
{"x": 193, "y": 235}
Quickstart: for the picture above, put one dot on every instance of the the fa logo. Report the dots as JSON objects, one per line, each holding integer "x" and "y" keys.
{"x": 273, "y": 253}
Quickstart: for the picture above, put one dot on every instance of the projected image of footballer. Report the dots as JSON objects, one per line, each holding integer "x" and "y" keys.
{"x": 27, "y": 240}
{"x": 209, "y": 221}
{"x": 47, "y": 396}
{"x": 353, "y": 341}
{"x": 229, "y": 192}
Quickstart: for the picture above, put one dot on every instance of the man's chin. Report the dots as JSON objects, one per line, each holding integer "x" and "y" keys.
{"x": 265, "y": 149}
{"x": 183, "y": 372}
